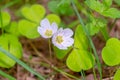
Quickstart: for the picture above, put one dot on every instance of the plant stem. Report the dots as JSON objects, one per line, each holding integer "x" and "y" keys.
{"x": 89, "y": 38}
{"x": 38, "y": 53}
{"x": 1, "y": 21}
{"x": 6, "y": 75}
{"x": 113, "y": 23}
{"x": 95, "y": 78}
{"x": 56, "y": 69}
{"x": 50, "y": 52}
{"x": 21, "y": 63}
{"x": 105, "y": 33}
{"x": 49, "y": 63}
{"x": 62, "y": 72}
{"x": 83, "y": 75}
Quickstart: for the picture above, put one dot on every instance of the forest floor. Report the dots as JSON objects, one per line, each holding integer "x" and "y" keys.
{"x": 36, "y": 55}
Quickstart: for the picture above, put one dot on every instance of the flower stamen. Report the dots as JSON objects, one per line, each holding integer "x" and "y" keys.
{"x": 59, "y": 39}
{"x": 48, "y": 33}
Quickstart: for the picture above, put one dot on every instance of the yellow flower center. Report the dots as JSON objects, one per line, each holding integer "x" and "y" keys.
{"x": 48, "y": 33}
{"x": 59, "y": 39}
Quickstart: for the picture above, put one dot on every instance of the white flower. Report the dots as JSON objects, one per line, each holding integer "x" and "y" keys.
{"x": 46, "y": 30}
{"x": 62, "y": 38}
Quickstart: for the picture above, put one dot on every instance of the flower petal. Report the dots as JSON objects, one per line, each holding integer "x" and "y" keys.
{"x": 45, "y": 23}
{"x": 59, "y": 32}
{"x": 67, "y": 32}
{"x": 68, "y": 42}
{"x": 41, "y": 30}
{"x": 62, "y": 47}
{"x": 54, "y": 27}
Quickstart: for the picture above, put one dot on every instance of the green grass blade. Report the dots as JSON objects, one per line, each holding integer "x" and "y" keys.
{"x": 6, "y": 75}
{"x": 22, "y": 63}
{"x": 10, "y": 4}
{"x": 89, "y": 38}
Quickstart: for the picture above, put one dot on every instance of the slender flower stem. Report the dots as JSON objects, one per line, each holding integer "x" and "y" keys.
{"x": 89, "y": 38}
{"x": 48, "y": 64}
{"x": 38, "y": 53}
{"x": 50, "y": 57}
{"x": 50, "y": 52}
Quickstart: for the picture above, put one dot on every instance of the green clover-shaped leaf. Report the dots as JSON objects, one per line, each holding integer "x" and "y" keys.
{"x": 5, "y": 19}
{"x": 11, "y": 44}
{"x": 80, "y": 38}
{"x": 28, "y": 29}
{"x": 60, "y": 54}
{"x": 53, "y": 18}
{"x": 34, "y": 13}
{"x": 13, "y": 29}
{"x": 111, "y": 52}
{"x": 117, "y": 75}
{"x": 80, "y": 58}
